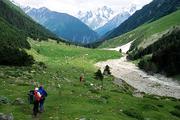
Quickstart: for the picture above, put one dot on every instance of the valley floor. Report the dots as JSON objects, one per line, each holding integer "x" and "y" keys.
{"x": 58, "y": 67}
{"x": 151, "y": 84}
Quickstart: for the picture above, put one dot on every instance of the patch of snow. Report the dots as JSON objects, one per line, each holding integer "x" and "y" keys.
{"x": 124, "y": 48}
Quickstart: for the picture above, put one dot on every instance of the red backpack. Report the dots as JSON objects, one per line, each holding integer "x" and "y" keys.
{"x": 37, "y": 96}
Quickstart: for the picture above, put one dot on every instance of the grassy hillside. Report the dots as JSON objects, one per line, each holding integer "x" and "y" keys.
{"x": 69, "y": 99}
{"x": 10, "y": 36}
{"x": 163, "y": 55}
{"x": 17, "y": 18}
{"x": 146, "y": 32}
{"x": 12, "y": 42}
{"x": 15, "y": 27}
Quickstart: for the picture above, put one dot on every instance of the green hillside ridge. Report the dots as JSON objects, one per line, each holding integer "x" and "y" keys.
{"x": 12, "y": 44}
{"x": 68, "y": 99}
{"x": 15, "y": 28}
{"x": 9, "y": 3}
{"x": 16, "y": 17}
{"x": 162, "y": 56}
{"x": 145, "y": 32}
{"x": 10, "y": 36}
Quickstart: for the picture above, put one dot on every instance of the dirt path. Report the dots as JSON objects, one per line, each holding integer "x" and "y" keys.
{"x": 151, "y": 84}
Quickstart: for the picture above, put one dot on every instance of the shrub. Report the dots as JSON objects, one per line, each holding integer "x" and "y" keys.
{"x": 100, "y": 100}
{"x": 150, "y": 107}
{"x": 105, "y": 97}
{"x": 14, "y": 57}
{"x": 38, "y": 51}
{"x": 99, "y": 75}
{"x": 176, "y": 113}
{"x": 177, "y": 107}
{"x": 160, "y": 105}
{"x": 42, "y": 65}
{"x": 107, "y": 70}
{"x": 134, "y": 114}
{"x": 93, "y": 90}
{"x": 57, "y": 41}
{"x": 167, "y": 59}
{"x": 146, "y": 64}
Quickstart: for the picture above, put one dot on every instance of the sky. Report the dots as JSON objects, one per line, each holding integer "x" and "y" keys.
{"x": 73, "y": 6}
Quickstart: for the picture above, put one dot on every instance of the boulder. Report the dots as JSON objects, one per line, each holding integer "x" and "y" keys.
{"x": 4, "y": 100}
{"x": 138, "y": 94}
{"x": 6, "y": 117}
{"x": 18, "y": 101}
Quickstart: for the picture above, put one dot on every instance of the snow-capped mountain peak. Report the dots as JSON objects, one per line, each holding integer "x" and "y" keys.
{"x": 115, "y": 22}
{"x": 26, "y": 9}
{"x": 132, "y": 9}
{"x": 96, "y": 18}
{"x": 100, "y": 16}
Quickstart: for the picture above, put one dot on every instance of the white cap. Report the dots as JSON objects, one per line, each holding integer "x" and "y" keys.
{"x": 36, "y": 89}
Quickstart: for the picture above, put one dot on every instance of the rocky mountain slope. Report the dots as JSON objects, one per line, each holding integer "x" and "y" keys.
{"x": 113, "y": 23}
{"x": 63, "y": 25}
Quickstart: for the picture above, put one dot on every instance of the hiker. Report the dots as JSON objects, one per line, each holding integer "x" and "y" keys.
{"x": 43, "y": 95}
{"x": 81, "y": 78}
{"x": 37, "y": 97}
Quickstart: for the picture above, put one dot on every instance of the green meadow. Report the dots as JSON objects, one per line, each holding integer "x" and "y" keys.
{"x": 58, "y": 67}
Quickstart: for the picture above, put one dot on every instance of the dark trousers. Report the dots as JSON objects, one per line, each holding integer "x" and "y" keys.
{"x": 42, "y": 105}
{"x": 35, "y": 108}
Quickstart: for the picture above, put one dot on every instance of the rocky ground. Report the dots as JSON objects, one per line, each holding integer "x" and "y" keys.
{"x": 151, "y": 84}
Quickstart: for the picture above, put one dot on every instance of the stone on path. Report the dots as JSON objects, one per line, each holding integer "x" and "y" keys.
{"x": 6, "y": 117}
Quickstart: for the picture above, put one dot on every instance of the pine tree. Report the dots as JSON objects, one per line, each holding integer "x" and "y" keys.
{"x": 99, "y": 75}
{"x": 107, "y": 70}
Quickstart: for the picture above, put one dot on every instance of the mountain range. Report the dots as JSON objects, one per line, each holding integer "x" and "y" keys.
{"x": 99, "y": 17}
{"x": 96, "y": 18}
{"x": 89, "y": 26}
{"x": 113, "y": 23}
{"x": 149, "y": 13}
{"x": 63, "y": 25}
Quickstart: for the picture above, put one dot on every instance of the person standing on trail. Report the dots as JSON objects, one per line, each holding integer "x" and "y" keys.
{"x": 37, "y": 97}
{"x": 43, "y": 96}
{"x": 81, "y": 78}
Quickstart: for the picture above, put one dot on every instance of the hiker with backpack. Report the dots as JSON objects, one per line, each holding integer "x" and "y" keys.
{"x": 81, "y": 78}
{"x": 37, "y": 98}
{"x": 43, "y": 96}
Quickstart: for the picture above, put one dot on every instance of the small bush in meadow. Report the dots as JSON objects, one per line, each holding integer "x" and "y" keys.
{"x": 176, "y": 113}
{"x": 150, "y": 107}
{"x": 134, "y": 114}
{"x": 107, "y": 70}
{"x": 177, "y": 107}
{"x": 99, "y": 75}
